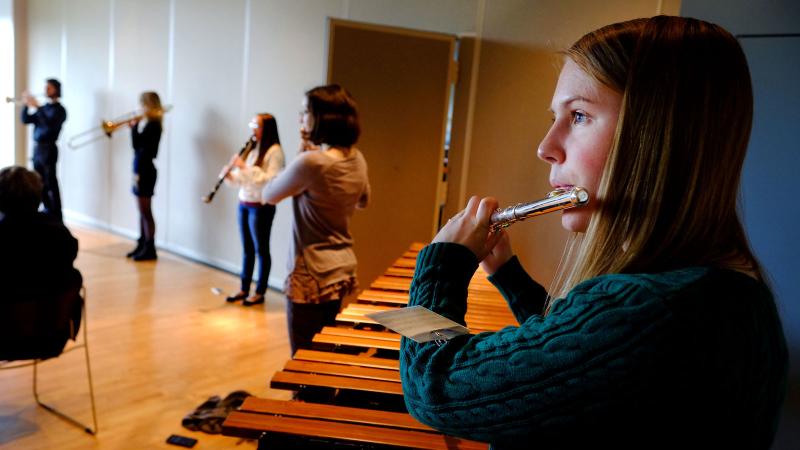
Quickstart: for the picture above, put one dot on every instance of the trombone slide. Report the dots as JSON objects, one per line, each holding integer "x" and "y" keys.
{"x": 556, "y": 200}
{"x": 108, "y": 127}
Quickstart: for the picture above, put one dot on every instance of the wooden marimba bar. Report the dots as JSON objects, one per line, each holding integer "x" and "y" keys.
{"x": 348, "y": 391}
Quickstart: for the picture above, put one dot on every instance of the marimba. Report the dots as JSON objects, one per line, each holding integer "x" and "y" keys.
{"x": 348, "y": 391}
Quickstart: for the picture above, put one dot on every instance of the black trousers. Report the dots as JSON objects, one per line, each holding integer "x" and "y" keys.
{"x": 307, "y": 319}
{"x": 45, "y": 156}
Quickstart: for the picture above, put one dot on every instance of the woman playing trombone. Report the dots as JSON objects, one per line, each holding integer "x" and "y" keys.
{"x": 250, "y": 173}
{"x": 663, "y": 333}
{"x": 145, "y": 136}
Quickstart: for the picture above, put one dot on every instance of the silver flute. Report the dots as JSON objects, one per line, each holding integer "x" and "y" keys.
{"x": 555, "y": 201}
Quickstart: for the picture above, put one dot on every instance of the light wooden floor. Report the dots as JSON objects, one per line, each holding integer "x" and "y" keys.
{"x": 161, "y": 342}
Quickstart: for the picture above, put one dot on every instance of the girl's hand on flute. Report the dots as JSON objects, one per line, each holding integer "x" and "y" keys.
{"x": 470, "y": 227}
{"x": 308, "y": 146}
{"x": 305, "y": 142}
{"x": 499, "y": 254}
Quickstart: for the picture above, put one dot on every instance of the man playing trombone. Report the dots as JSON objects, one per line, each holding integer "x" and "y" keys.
{"x": 47, "y": 120}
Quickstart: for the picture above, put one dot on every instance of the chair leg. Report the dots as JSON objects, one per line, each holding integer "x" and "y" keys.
{"x": 60, "y": 414}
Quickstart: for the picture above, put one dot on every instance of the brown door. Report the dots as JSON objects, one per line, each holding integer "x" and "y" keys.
{"x": 401, "y": 81}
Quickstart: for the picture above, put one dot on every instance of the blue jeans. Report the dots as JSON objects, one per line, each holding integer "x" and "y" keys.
{"x": 255, "y": 224}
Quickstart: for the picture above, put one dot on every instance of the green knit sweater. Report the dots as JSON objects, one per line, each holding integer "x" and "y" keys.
{"x": 692, "y": 358}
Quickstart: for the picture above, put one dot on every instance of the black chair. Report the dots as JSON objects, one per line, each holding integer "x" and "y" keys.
{"x": 36, "y": 329}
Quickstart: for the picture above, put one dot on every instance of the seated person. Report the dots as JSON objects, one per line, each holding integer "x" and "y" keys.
{"x": 38, "y": 251}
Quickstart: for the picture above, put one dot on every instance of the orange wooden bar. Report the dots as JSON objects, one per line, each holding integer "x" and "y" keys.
{"x": 356, "y": 359}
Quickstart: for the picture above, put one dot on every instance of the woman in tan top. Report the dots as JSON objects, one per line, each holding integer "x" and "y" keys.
{"x": 327, "y": 181}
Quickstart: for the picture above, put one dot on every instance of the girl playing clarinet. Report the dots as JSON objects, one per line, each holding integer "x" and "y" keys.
{"x": 250, "y": 173}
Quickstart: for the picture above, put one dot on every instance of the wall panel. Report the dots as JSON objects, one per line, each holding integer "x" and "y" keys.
{"x": 207, "y": 80}
{"x": 444, "y": 16}
{"x": 8, "y": 113}
{"x": 44, "y": 41}
{"x": 84, "y": 174}
{"x": 140, "y": 62}
{"x": 44, "y": 52}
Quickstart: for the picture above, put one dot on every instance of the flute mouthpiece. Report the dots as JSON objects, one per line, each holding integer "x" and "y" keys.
{"x": 557, "y": 200}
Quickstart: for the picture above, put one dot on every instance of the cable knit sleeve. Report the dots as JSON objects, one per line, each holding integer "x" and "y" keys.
{"x": 525, "y": 296}
{"x": 539, "y": 379}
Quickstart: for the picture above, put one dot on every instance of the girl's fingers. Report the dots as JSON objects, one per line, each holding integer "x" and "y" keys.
{"x": 493, "y": 239}
{"x": 485, "y": 209}
{"x": 472, "y": 206}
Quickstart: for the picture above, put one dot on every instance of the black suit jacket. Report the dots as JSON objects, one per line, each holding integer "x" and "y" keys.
{"x": 40, "y": 302}
{"x": 37, "y": 256}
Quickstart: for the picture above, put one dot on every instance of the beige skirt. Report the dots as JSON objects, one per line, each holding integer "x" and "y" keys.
{"x": 302, "y": 287}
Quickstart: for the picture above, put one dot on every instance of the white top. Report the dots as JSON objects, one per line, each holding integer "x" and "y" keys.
{"x": 251, "y": 179}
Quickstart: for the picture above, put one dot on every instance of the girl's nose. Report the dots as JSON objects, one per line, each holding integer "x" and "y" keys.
{"x": 550, "y": 150}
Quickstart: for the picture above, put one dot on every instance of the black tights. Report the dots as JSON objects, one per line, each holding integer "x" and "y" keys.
{"x": 147, "y": 225}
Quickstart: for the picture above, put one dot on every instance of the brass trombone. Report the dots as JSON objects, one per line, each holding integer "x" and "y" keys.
{"x": 108, "y": 127}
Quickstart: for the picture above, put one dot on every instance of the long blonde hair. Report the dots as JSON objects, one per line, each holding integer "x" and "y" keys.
{"x": 669, "y": 190}
{"x": 152, "y": 104}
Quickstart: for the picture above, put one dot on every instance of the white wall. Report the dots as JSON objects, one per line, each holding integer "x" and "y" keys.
{"x": 7, "y": 111}
{"x": 218, "y": 62}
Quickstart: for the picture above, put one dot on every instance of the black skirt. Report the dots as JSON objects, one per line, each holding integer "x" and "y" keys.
{"x": 144, "y": 182}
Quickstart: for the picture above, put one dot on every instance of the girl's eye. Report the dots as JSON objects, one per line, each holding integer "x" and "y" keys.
{"x": 578, "y": 117}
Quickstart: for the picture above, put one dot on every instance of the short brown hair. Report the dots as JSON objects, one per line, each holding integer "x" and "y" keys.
{"x": 56, "y": 84}
{"x": 335, "y": 116}
{"x": 20, "y": 190}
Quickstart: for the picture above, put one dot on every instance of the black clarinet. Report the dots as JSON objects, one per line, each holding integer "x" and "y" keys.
{"x": 244, "y": 151}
